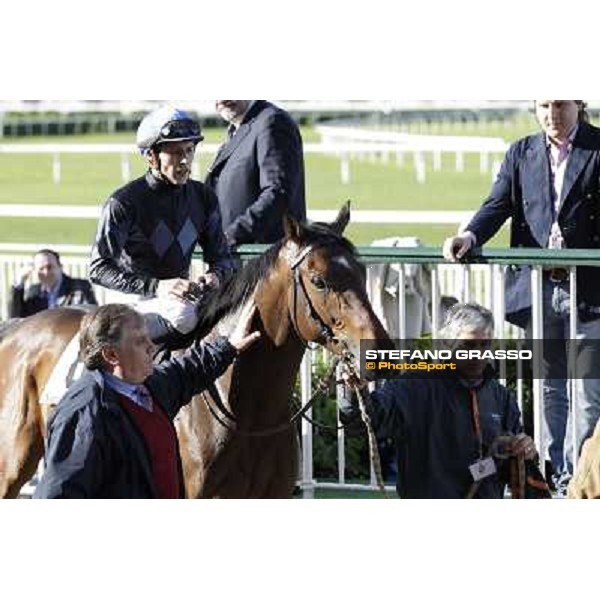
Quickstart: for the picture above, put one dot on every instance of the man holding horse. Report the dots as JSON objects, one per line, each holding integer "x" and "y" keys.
{"x": 112, "y": 435}
{"x": 451, "y": 432}
{"x": 149, "y": 228}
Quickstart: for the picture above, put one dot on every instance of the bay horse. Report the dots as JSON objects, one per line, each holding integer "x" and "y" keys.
{"x": 236, "y": 440}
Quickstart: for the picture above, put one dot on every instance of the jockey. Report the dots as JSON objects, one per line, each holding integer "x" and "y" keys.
{"x": 149, "y": 228}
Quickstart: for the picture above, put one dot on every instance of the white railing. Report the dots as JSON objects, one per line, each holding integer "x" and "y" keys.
{"x": 453, "y": 280}
{"x": 345, "y": 144}
{"x": 207, "y": 107}
{"x": 385, "y": 217}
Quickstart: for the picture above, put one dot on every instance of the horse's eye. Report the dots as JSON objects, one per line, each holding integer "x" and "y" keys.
{"x": 318, "y": 282}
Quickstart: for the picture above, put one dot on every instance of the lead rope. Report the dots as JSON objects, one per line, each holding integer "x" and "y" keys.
{"x": 352, "y": 378}
{"x": 364, "y": 403}
{"x": 517, "y": 479}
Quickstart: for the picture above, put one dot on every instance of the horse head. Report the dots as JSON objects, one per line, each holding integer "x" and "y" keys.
{"x": 322, "y": 287}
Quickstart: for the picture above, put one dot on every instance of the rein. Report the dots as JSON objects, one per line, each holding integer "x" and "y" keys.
{"x": 347, "y": 359}
{"x": 350, "y": 377}
{"x": 323, "y": 385}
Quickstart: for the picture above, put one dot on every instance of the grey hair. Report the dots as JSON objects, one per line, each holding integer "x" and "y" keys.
{"x": 101, "y": 328}
{"x": 466, "y": 317}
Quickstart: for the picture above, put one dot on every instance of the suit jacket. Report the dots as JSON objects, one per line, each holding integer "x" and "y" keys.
{"x": 28, "y": 302}
{"x": 258, "y": 176}
{"x": 523, "y": 191}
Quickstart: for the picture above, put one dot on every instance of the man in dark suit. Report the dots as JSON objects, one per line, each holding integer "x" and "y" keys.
{"x": 258, "y": 173}
{"x": 54, "y": 287}
{"x": 549, "y": 185}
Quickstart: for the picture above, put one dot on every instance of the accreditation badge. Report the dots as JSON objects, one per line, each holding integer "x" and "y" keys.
{"x": 483, "y": 468}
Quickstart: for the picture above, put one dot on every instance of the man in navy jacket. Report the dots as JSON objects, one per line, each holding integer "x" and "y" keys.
{"x": 549, "y": 184}
{"x": 258, "y": 173}
{"x": 112, "y": 435}
{"x": 443, "y": 427}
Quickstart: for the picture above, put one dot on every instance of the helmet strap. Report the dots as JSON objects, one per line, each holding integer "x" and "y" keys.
{"x": 157, "y": 170}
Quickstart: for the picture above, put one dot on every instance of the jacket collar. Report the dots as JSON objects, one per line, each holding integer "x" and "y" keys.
{"x": 64, "y": 289}
{"x": 255, "y": 109}
{"x": 488, "y": 376}
{"x": 107, "y": 395}
{"x": 580, "y": 155}
{"x": 108, "y": 399}
{"x": 230, "y": 146}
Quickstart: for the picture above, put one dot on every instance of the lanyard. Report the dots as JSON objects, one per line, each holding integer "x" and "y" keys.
{"x": 476, "y": 421}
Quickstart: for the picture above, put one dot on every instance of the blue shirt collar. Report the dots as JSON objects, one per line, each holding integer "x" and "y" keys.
{"x": 138, "y": 394}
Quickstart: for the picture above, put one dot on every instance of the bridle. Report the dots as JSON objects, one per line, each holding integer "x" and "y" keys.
{"x": 325, "y": 331}
{"x": 344, "y": 356}
{"x": 342, "y": 351}
{"x": 338, "y": 345}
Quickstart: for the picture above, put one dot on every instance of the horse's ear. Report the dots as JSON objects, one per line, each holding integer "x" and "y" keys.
{"x": 342, "y": 219}
{"x": 292, "y": 228}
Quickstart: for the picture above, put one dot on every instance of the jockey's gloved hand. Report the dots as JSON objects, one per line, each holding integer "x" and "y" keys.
{"x": 198, "y": 290}
{"x": 210, "y": 280}
{"x": 173, "y": 288}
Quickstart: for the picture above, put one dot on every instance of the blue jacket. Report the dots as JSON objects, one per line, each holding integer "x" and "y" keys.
{"x": 523, "y": 191}
{"x": 94, "y": 449}
{"x": 431, "y": 423}
{"x": 258, "y": 176}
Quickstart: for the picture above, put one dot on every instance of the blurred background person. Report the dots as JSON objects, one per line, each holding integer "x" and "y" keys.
{"x": 54, "y": 287}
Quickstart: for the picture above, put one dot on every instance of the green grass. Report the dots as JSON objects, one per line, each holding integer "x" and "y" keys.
{"x": 519, "y": 126}
{"x": 376, "y": 185}
{"x": 212, "y": 135}
{"x": 344, "y": 494}
{"x": 351, "y": 495}
{"x": 47, "y": 231}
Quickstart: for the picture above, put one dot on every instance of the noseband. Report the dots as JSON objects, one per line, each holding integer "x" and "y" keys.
{"x": 325, "y": 331}
{"x": 344, "y": 355}
{"x": 351, "y": 375}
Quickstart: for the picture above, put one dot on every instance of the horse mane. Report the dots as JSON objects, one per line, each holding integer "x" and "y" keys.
{"x": 239, "y": 287}
{"x": 236, "y": 289}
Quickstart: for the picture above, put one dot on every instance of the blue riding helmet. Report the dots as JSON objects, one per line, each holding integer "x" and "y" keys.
{"x": 167, "y": 124}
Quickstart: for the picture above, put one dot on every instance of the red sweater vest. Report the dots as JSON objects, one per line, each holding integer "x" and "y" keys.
{"x": 161, "y": 440}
